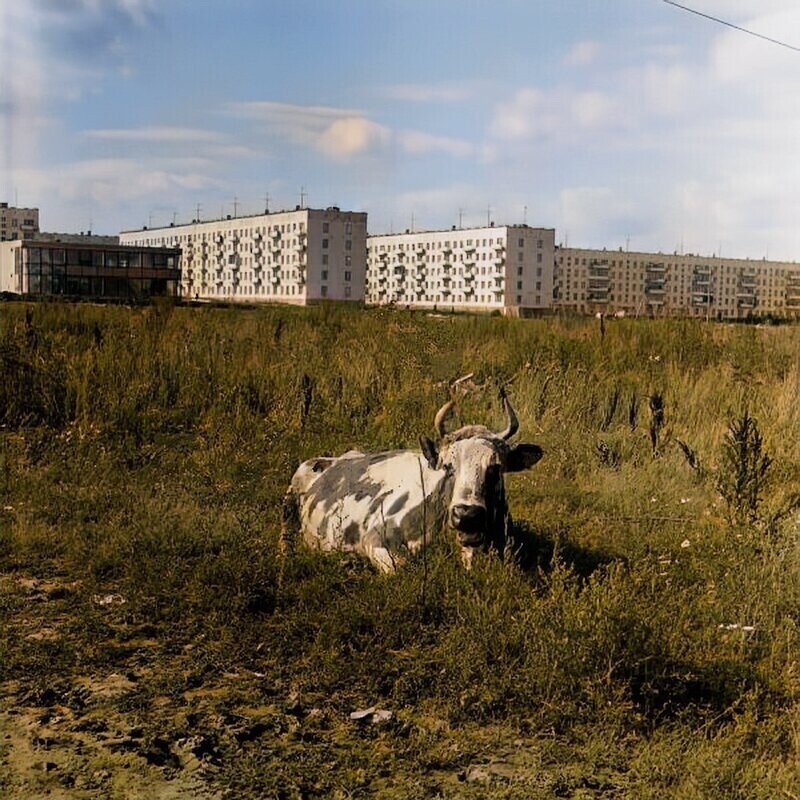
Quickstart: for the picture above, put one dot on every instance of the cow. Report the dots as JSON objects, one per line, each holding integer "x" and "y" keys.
{"x": 386, "y": 505}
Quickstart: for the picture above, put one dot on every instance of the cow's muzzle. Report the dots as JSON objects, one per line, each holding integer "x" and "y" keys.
{"x": 470, "y": 522}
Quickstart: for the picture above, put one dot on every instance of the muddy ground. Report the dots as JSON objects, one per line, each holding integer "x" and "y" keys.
{"x": 158, "y": 723}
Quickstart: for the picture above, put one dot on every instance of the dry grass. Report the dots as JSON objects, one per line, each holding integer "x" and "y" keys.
{"x": 649, "y": 649}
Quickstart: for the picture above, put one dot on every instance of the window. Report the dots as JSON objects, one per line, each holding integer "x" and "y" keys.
{"x": 323, "y": 290}
{"x": 347, "y": 275}
{"x": 521, "y": 242}
{"x": 324, "y": 244}
{"x": 519, "y": 270}
{"x": 519, "y": 285}
{"x": 324, "y": 258}
{"x": 324, "y": 274}
{"x": 348, "y": 244}
{"x": 347, "y": 291}
{"x": 326, "y": 227}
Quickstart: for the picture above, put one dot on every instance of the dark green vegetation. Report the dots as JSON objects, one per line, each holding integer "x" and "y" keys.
{"x": 649, "y": 650}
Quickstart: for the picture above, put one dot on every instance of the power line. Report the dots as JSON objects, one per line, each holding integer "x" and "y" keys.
{"x": 731, "y": 25}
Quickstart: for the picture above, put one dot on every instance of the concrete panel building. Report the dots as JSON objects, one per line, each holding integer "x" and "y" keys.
{"x": 299, "y": 256}
{"x": 83, "y": 269}
{"x": 18, "y": 223}
{"x": 508, "y": 268}
{"x": 658, "y": 284}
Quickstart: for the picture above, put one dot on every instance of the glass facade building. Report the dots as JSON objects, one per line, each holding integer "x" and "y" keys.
{"x": 89, "y": 270}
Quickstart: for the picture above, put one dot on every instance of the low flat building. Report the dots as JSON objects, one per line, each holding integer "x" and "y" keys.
{"x": 659, "y": 284}
{"x": 508, "y": 268}
{"x": 84, "y": 269}
{"x": 18, "y": 223}
{"x": 301, "y": 256}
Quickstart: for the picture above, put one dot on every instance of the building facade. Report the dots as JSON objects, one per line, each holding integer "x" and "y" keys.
{"x": 657, "y": 284}
{"x": 299, "y": 256}
{"x": 82, "y": 269}
{"x": 18, "y": 223}
{"x": 507, "y": 268}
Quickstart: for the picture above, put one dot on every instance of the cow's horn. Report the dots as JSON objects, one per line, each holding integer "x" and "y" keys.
{"x": 513, "y": 422}
{"x": 438, "y": 422}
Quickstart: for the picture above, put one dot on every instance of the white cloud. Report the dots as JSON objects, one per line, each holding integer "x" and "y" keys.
{"x": 421, "y": 143}
{"x": 344, "y": 133}
{"x": 431, "y": 93}
{"x": 352, "y": 136}
{"x": 533, "y": 114}
{"x": 155, "y": 134}
{"x": 582, "y": 54}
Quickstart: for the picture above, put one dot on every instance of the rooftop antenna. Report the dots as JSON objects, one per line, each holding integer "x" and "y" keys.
{"x": 150, "y": 220}
{"x": 412, "y": 222}
{"x": 266, "y": 203}
{"x": 302, "y": 197}
{"x": 627, "y": 244}
{"x": 197, "y": 212}
{"x": 235, "y": 206}
{"x": 525, "y": 215}
{"x": 460, "y": 217}
{"x": 174, "y": 218}
{"x": 16, "y": 197}
{"x": 488, "y": 216}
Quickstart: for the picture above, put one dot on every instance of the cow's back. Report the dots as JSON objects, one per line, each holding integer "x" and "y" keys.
{"x": 374, "y": 504}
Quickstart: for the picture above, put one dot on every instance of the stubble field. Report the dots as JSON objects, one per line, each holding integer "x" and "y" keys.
{"x": 647, "y": 648}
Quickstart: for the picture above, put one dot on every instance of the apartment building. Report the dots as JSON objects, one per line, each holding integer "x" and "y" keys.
{"x": 18, "y": 223}
{"x": 659, "y": 284}
{"x": 49, "y": 268}
{"x": 507, "y": 268}
{"x": 299, "y": 256}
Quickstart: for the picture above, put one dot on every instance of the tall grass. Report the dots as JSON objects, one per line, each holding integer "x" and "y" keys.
{"x": 148, "y": 450}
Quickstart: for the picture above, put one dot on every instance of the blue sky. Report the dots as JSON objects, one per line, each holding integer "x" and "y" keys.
{"x": 613, "y": 121}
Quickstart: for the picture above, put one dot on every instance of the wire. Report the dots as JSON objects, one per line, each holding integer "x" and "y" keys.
{"x": 731, "y": 25}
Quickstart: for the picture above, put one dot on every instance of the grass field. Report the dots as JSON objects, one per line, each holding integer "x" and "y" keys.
{"x": 649, "y": 647}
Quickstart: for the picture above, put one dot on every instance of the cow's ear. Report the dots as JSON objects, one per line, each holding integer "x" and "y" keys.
{"x": 523, "y": 456}
{"x": 429, "y": 451}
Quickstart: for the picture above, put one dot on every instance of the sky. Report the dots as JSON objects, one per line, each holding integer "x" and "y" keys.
{"x": 620, "y": 123}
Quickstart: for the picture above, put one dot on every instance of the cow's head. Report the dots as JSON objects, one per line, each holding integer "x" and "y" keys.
{"x": 476, "y": 459}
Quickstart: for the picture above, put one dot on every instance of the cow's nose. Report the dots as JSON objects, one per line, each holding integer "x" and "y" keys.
{"x": 468, "y": 519}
